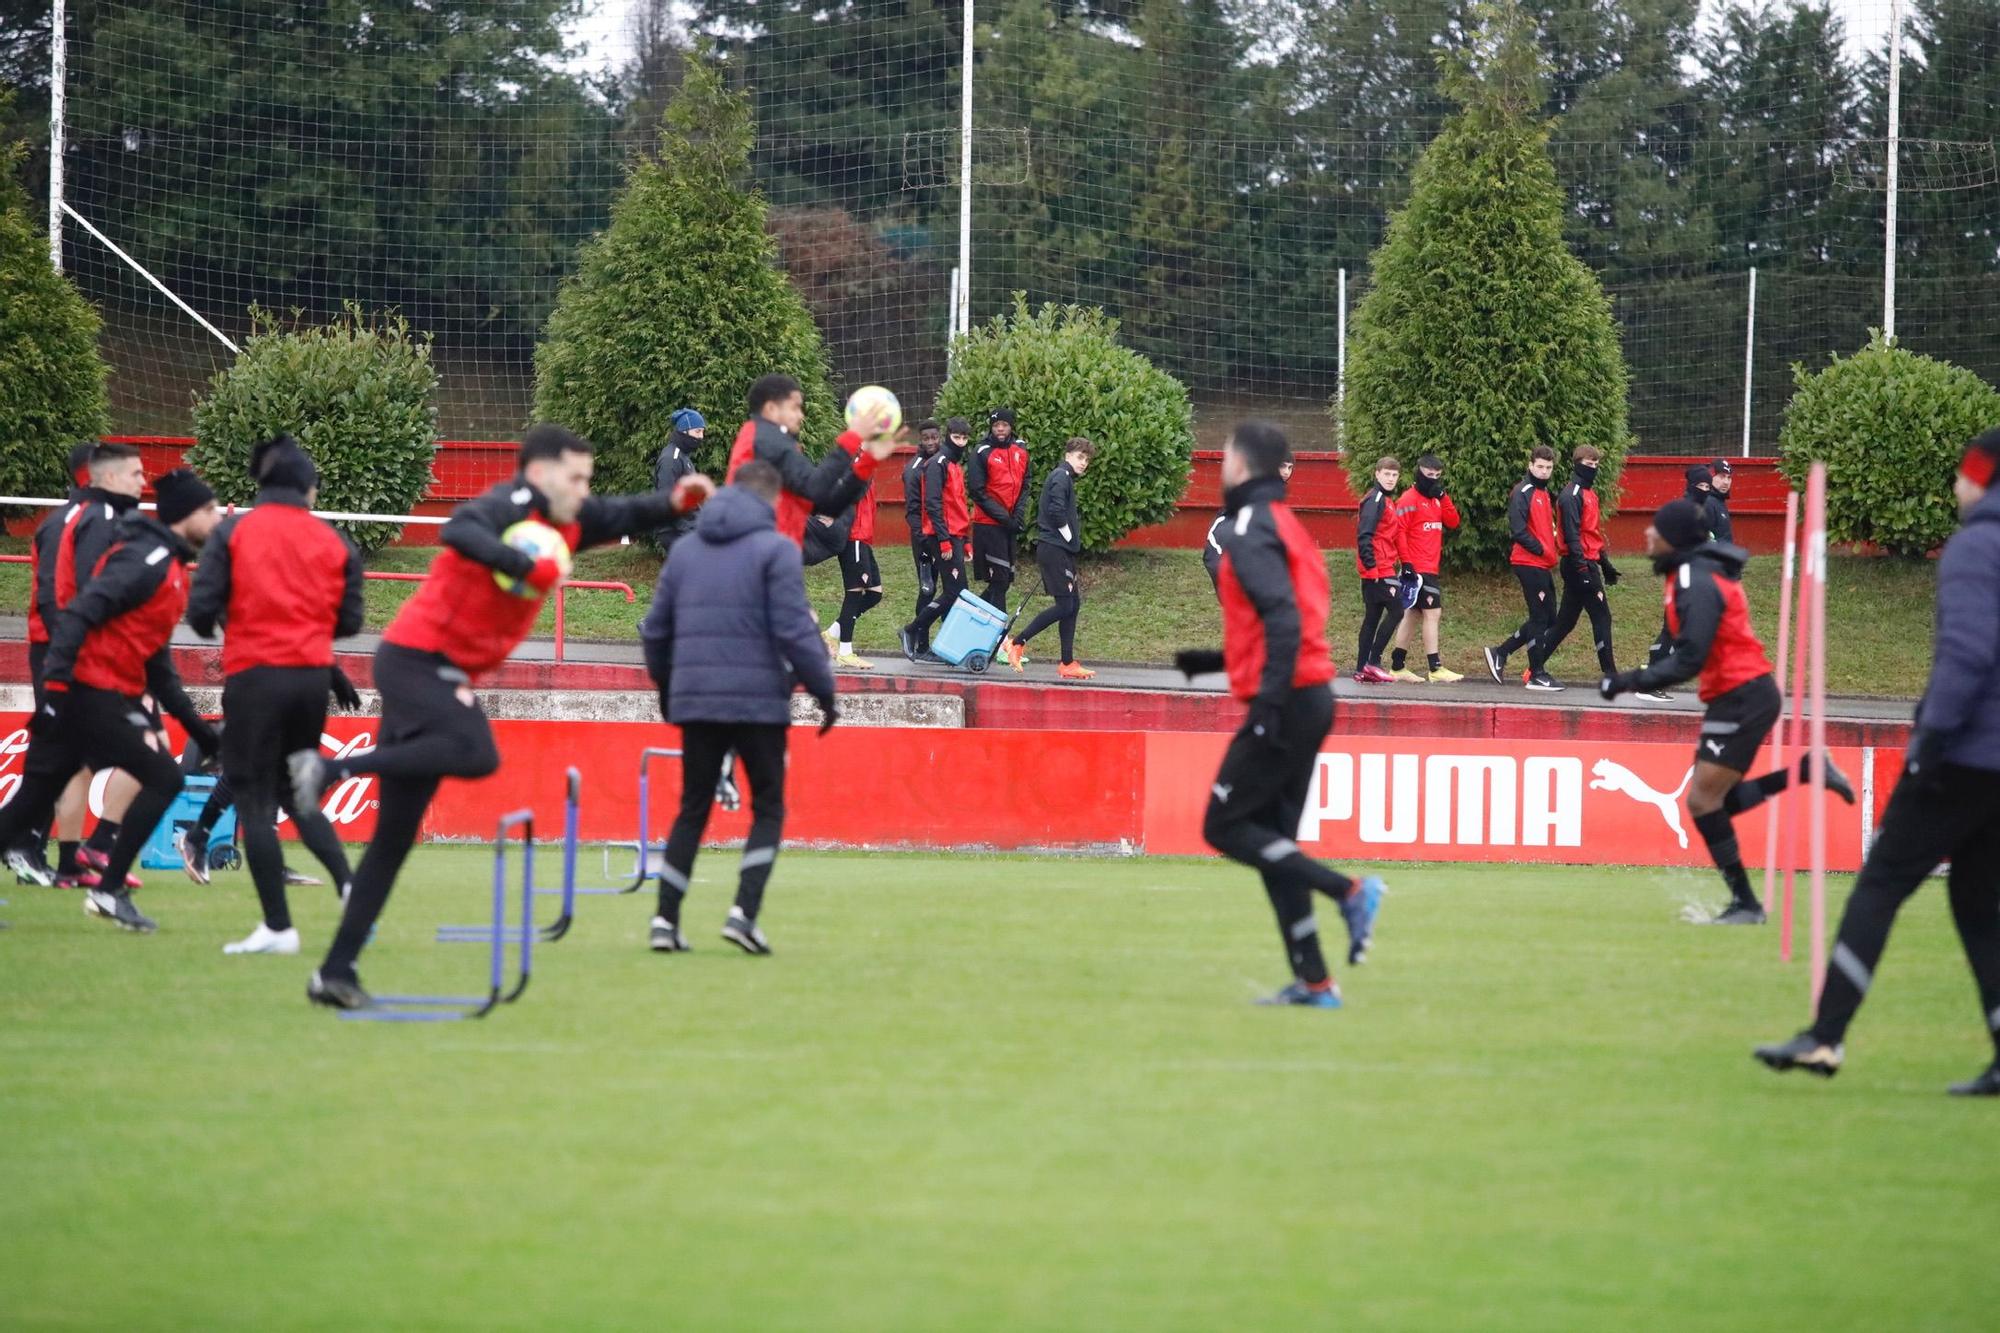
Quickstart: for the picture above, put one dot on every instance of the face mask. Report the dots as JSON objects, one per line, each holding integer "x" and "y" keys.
{"x": 1586, "y": 474}
{"x": 1430, "y": 487}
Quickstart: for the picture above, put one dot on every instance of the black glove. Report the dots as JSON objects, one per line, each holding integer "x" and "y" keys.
{"x": 1576, "y": 564}
{"x": 1192, "y": 662}
{"x": 48, "y": 720}
{"x": 345, "y": 696}
{"x": 1267, "y": 723}
{"x": 1605, "y": 567}
{"x": 205, "y": 736}
{"x": 664, "y": 695}
{"x": 1622, "y": 683}
{"x": 201, "y": 759}
{"x": 828, "y": 713}
{"x": 1923, "y": 762}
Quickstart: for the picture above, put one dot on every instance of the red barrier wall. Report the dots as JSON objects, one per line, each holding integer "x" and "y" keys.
{"x": 1319, "y": 491}
{"x": 1374, "y": 799}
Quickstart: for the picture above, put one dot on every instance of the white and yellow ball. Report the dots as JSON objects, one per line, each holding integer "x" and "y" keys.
{"x": 873, "y": 403}
{"x": 540, "y": 541}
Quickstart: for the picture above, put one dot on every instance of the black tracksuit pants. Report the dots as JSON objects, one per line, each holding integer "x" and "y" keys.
{"x": 950, "y": 577}
{"x": 1253, "y": 817}
{"x": 100, "y": 729}
{"x": 1382, "y": 611}
{"x": 926, "y": 564}
{"x": 993, "y": 560}
{"x": 270, "y": 712}
{"x": 760, "y": 749}
{"x": 1583, "y": 594}
{"x": 1538, "y": 590}
{"x": 1954, "y": 815}
{"x": 432, "y": 728}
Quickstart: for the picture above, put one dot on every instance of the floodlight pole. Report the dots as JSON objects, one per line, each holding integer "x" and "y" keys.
{"x": 1895, "y": 154}
{"x": 58, "y": 81}
{"x": 965, "y": 176}
{"x": 1749, "y": 358}
{"x": 1340, "y": 346}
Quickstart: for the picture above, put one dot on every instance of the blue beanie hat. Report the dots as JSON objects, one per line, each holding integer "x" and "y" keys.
{"x": 689, "y": 419}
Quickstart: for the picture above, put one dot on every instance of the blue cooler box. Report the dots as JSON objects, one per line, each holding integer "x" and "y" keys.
{"x": 159, "y": 853}
{"x": 971, "y": 633}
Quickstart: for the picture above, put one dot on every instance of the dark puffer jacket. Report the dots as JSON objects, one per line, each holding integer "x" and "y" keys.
{"x": 1962, "y": 704}
{"x": 730, "y": 631}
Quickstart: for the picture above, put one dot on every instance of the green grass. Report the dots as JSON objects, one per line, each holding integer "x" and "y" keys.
{"x": 1139, "y": 606}
{"x": 989, "y": 1093}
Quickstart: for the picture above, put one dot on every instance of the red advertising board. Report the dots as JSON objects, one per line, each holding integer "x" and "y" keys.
{"x": 1374, "y": 798}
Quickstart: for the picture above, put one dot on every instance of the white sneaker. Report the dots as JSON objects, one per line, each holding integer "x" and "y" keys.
{"x": 265, "y": 940}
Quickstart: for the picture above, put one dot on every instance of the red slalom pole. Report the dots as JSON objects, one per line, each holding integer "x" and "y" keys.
{"x": 1795, "y": 726}
{"x": 1816, "y": 588}
{"x": 1772, "y": 820}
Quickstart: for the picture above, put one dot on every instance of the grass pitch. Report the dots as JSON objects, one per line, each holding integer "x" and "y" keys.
{"x": 988, "y": 1093}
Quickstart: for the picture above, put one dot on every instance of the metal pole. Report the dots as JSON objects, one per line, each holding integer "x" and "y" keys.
{"x": 965, "y": 175}
{"x": 1749, "y": 362}
{"x": 1340, "y": 354}
{"x": 1895, "y": 153}
{"x": 58, "y": 90}
{"x": 1816, "y": 672}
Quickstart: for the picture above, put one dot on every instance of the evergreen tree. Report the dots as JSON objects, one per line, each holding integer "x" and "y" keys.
{"x": 679, "y": 303}
{"x": 1481, "y": 335}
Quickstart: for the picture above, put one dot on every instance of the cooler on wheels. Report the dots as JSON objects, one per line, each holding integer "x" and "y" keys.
{"x": 971, "y": 633}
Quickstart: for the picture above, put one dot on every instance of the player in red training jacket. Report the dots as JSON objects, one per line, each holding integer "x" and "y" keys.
{"x": 1422, "y": 515}
{"x": 829, "y": 487}
{"x": 1586, "y": 566}
{"x": 1536, "y": 550}
{"x": 461, "y": 625}
{"x": 1376, "y": 559}
{"x": 996, "y": 484}
{"x": 1708, "y": 619}
{"x": 1274, "y": 593}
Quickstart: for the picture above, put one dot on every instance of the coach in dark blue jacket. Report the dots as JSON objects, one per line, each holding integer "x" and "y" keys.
{"x": 1946, "y": 806}
{"x": 729, "y": 634}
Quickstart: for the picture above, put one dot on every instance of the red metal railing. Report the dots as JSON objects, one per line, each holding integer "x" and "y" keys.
{"x": 562, "y": 606}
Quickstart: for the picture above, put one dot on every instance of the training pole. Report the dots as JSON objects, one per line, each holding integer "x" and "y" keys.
{"x": 1795, "y": 727}
{"x": 1780, "y": 742}
{"x": 1816, "y": 589}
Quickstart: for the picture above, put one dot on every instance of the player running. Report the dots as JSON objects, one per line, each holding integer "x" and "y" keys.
{"x": 1377, "y": 558}
{"x": 480, "y": 600}
{"x": 1211, "y": 548}
{"x": 42, "y": 611}
{"x": 285, "y": 585}
{"x": 996, "y": 482}
{"x": 1708, "y": 618}
{"x": 1531, "y": 520}
{"x": 1946, "y": 806}
{"x": 1422, "y": 515}
{"x": 107, "y": 653}
{"x": 1274, "y": 609}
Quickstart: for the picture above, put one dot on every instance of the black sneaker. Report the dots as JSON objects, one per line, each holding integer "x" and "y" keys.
{"x": 1836, "y": 781}
{"x": 907, "y": 637}
{"x": 338, "y": 992}
{"x": 1542, "y": 680}
{"x": 1738, "y": 914}
{"x": 1806, "y": 1052}
{"x": 30, "y": 867}
{"x": 1653, "y": 696}
{"x": 118, "y": 909}
{"x": 192, "y": 844}
{"x": 742, "y": 932}
{"x": 1496, "y": 662}
{"x": 666, "y": 937}
{"x": 1985, "y": 1085}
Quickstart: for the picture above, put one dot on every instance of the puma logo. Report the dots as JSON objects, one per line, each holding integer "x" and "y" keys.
{"x": 1608, "y": 775}
{"x": 1713, "y": 747}
{"x": 1222, "y": 790}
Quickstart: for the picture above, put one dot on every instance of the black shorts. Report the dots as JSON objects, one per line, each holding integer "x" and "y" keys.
{"x": 1737, "y": 724}
{"x": 822, "y": 541}
{"x": 992, "y": 552}
{"x": 1431, "y": 596}
{"x": 1058, "y": 569}
{"x": 858, "y": 569}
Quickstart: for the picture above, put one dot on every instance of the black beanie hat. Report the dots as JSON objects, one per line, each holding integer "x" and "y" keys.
{"x": 1681, "y": 525}
{"x": 287, "y": 466}
{"x": 180, "y": 493}
{"x": 1699, "y": 476}
{"x": 1720, "y": 468}
{"x": 1005, "y": 414}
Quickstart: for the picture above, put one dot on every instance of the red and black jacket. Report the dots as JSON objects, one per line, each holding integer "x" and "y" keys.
{"x": 1531, "y": 520}
{"x": 42, "y": 606}
{"x": 946, "y": 515}
{"x": 996, "y": 481}
{"x": 1274, "y": 596}
{"x": 863, "y": 527}
{"x": 913, "y": 499}
{"x": 115, "y": 635}
{"x": 828, "y": 487}
{"x": 1582, "y": 527}
{"x": 285, "y": 584}
{"x": 84, "y": 539}
{"x": 1708, "y": 623}
{"x": 1420, "y": 523}
{"x": 1376, "y": 543}
{"x": 461, "y": 614}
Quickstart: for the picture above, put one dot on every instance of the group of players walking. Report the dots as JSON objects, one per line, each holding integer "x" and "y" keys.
{"x": 730, "y": 635}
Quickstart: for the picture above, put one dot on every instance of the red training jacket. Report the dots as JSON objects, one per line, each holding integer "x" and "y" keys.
{"x": 1532, "y": 521}
{"x": 1582, "y": 526}
{"x": 1377, "y": 535}
{"x": 285, "y": 584}
{"x": 828, "y": 487}
{"x": 863, "y": 528}
{"x": 1274, "y": 594}
{"x": 996, "y": 482}
{"x": 1420, "y": 525}
{"x": 125, "y": 617}
{"x": 1708, "y": 619}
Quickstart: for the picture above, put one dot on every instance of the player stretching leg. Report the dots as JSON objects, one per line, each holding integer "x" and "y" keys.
{"x": 1274, "y": 606}
{"x": 461, "y": 624}
{"x": 1709, "y": 619}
